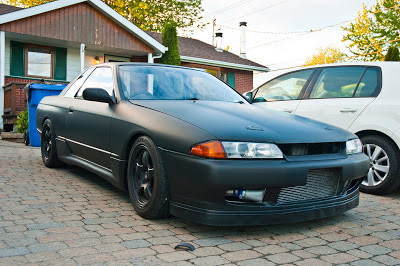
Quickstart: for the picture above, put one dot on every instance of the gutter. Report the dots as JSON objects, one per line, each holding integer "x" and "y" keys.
{"x": 210, "y": 62}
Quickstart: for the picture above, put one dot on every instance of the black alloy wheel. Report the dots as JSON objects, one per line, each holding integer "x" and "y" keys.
{"x": 46, "y": 150}
{"x": 144, "y": 176}
{"x": 147, "y": 181}
{"x": 48, "y": 146}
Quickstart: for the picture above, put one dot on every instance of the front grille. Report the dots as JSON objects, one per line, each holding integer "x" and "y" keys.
{"x": 299, "y": 149}
{"x": 321, "y": 183}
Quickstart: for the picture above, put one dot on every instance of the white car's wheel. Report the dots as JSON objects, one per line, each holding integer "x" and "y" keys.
{"x": 383, "y": 176}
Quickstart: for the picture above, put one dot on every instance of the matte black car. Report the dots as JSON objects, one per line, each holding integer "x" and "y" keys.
{"x": 184, "y": 143}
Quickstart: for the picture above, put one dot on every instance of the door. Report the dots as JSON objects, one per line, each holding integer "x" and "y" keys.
{"x": 340, "y": 94}
{"x": 88, "y": 123}
{"x": 284, "y": 92}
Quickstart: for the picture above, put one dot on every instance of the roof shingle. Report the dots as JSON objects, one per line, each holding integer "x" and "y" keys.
{"x": 196, "y": 48}
{"x": 4, "y": 9}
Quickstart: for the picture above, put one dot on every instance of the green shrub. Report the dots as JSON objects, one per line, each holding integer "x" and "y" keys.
{"x": 170, "y": 39}
{"x": 22, "y": 121}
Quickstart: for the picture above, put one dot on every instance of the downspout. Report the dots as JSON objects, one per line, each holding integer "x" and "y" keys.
{"x": 150, "y": 57}
{"x": 82, "y": 56}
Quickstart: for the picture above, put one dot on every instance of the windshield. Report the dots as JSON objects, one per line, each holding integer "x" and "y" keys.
{"x": 169, "y": 83}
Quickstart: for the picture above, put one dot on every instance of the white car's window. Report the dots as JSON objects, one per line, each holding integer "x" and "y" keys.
{"x": 101, "y": 78}
{"x": 73, "y": 88}
{"x": 337, "y": 82}
{"x": 283, "y": 88}
{"x": 370, "y": 83}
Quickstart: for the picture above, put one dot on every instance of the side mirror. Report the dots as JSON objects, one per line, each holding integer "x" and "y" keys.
{"x": 249, "y": 96}
{"x": 97, "y": 95}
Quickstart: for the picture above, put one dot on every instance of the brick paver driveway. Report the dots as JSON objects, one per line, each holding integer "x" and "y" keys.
{"x": 70, "y": 216}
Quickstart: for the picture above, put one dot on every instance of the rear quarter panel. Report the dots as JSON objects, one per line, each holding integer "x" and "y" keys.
{"x": 51, "y": 107}
{"x": 383, "y": 114}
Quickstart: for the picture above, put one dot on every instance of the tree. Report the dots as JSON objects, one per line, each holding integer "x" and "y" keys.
{"x": 169, "y": 38}
{"x": 392, "y": 54}
{"x": 326, "y": 55}
{"x": 146, "y": 14}
{"x": 374, "y": 30}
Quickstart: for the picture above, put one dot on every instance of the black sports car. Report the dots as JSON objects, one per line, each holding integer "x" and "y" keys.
{"x": 184, "y": 143}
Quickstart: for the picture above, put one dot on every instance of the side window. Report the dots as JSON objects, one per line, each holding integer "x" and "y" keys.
{"x": 74, "y": 87}
{"x": 102, "y": 78}
{"x": 370, "y": 83}
{"x": 336, "y": 82}
{"x": 283, "y": 88}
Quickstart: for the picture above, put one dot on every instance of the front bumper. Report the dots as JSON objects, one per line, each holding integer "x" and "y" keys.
{"x": 198, "y": 188}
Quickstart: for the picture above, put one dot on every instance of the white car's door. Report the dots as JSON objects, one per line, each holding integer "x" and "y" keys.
{"x": 340, "y": 94}
{"x": 284, "y": 92}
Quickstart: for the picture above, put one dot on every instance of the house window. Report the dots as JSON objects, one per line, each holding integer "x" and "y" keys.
{"x": 39, "y": 61}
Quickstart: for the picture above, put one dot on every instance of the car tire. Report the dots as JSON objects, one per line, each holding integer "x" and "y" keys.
{"x": 384, "y": 174}
{"x": 48, "y": 146}
{"x": 147, "y": 181}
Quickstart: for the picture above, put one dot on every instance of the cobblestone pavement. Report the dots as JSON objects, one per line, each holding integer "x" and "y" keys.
{"x": 70, "y": 216}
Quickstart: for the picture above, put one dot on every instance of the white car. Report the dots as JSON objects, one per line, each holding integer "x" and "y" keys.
{"x": 363, "y": 98}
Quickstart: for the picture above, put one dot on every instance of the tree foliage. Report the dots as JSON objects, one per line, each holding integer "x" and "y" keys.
{"x": 169, "y": 38}
{"x": 374, "y": 30}
{"x": 325, "y": 55}
{"x": 148, "y": 15}
{"x": 392, "y": 54}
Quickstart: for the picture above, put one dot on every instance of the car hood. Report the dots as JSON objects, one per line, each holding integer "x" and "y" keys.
{"x": 245, "y": 122}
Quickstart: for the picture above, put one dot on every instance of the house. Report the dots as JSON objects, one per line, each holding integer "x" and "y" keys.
{"x": 231, "y": 68}
{"x": 57, "y": 40}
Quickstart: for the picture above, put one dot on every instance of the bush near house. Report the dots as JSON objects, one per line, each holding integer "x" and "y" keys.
{"x": 22, "y": 121}
{"x": 169, "y": 38}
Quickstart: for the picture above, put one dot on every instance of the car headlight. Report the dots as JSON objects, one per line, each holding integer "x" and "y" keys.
{"x": 249, "y": 150}
{"x": 236, "y": 150}
{"x": 354, "y": 146}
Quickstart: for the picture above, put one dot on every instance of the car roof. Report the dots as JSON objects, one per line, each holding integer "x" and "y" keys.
{"x": 116, "y": 64}
{"x": 382, "y": 64}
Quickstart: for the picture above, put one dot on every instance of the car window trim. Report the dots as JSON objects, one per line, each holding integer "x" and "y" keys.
{"x": 312, "y": 83}
{"x": 379, "y": 81}
{"x": 359, "y": 81}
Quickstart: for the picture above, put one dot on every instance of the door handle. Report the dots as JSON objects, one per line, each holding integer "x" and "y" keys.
{"x": 288, "y": 110}
{"x": 71, "y": 109}
{"x": 348, "y": 110}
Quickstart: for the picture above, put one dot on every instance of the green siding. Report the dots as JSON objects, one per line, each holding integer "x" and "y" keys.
{"x": 17, "y": 62}
{"x": 231, "y": 79}
{"x": 60, "y": 64}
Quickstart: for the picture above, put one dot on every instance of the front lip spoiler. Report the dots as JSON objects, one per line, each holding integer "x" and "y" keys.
{"x": 288, "y": 213}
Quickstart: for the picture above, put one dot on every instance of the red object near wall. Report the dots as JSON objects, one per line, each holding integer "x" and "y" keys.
{"x": 14, "y": 102}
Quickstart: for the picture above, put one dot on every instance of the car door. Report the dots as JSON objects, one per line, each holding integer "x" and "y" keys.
{"x": 88, "y": 123}
{"x": 340, "y": 94}
{"x": 284, "y": 92}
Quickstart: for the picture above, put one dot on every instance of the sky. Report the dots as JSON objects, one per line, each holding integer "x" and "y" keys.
{"x": 277, "y": 33}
